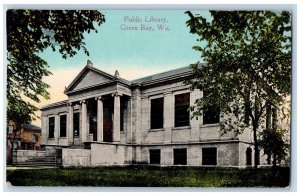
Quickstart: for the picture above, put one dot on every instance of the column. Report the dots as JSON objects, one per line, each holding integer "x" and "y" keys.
{"x": 99, "y": 119}
{"x": 83, "y": 120}
{"x": 70, "y": 124}
{"x": 44, "y": 129}
{"x": 129, "y": 122}
{"x": 56, "y": 128}
{"x": 195, "y": 122}
{"x": 116, "y": 126}
{"x": 168, "y": 117}
{"x": 136, "y": 116}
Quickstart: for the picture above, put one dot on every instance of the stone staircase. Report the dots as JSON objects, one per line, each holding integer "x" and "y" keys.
{"x": 45, "y": 161}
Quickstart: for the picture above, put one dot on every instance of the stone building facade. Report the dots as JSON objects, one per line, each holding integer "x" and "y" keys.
{"x": 108, "y": 120}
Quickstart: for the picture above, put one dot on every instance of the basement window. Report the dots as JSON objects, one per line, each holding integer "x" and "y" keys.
{"x": 63, "y": 126}
{"x": 154, "y": 156}
{"x": 180, "y": 156}
{"x": 182, "y": 115}
{"x": 157, "y": 113}
{"x": 51, "y": 127}
{"x": 209, "y": 156}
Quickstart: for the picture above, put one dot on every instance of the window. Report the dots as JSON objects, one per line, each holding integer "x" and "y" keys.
{"x": 211, "y": 115}
{"x": 180, "y": 156}
{"x": 34, "y": 138}
{"x": 123, "y": 116}
{"x": 92, "y": 115}
{"x": 76, "y": 124}
{"x": 154, "y": 156}
{"x": 63, "y": 126}
{"x": 209, "y": 156}
{"x": 249, "y": 156}
{"x": 157, "y": 113}
{"x": 51, "y": 127}
{"x": 182, "y": 115}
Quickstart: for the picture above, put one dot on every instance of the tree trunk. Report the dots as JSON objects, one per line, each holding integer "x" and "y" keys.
{"x": 12, "y": 148}
{"x": 255, "y": 126}
{"x": 256, "y": 150}
{"x": 274, "y": 159}
{"x": 17, "y": 128}
{"x": 268, "y": 115}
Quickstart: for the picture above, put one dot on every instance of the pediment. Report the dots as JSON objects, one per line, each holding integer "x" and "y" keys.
{"x": 88, "y": 77}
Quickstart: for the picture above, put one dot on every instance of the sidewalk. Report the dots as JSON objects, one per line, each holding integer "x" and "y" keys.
{"x": 40, "y": 167}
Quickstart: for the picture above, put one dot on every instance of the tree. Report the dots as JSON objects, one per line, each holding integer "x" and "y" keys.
{"x": 30, "y": 32}
{"x": 248, "y": 66}
{"x": 273, "y": 144}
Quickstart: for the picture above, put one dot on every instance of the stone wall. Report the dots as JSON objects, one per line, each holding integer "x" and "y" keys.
{"x": 76, "y": 157}
{"x": 110, "y": 154}
{"x": 227, "y": 153}
{"x": 24, "y": 155}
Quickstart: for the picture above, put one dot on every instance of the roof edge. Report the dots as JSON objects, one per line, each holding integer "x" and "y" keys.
{"x": 54, "y": 105}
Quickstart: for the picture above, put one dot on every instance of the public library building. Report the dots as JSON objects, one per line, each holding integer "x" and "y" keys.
{"x": 108, "y": 120}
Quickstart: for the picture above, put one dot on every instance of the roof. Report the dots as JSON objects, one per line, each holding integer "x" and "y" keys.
{"x": 162, "y": 75}
{"x": 89, "y": 67}
{"x": 54, "y": 105}
{"x": 31, "y": 127}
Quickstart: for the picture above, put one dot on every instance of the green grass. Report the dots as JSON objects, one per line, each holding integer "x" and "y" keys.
{"x": 150, "y": 177}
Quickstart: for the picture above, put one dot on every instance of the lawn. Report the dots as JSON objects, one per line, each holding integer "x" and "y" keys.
{"x": 150, "y": 177}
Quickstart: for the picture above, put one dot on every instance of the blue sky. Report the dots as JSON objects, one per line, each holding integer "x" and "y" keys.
{"x": 113, "y": 47}
{"x": 134, "y": 53}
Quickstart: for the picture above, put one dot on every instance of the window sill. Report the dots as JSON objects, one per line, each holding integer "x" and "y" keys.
{"x": 156, "y": 130}
{"x": 63, "y": 138}
{"x": 180, "y": 128}
{"x": 210, "y": 125}
{"x": 51, "y": 138}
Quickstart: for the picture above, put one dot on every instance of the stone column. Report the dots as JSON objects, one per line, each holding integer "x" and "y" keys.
{"x": 195, "y": 123}
{"x": 44, "y": 129}
{"x": 56, "y": 128}
{"x": 70, "y": 124}
{"x": 99, "y": 119}
{"x": 136, "y": 116}
{"x": 129, "y": 122}
{"x": 168, "y": 117}
{"x": 116, "y": 126}
{"x": 83, "y": 120}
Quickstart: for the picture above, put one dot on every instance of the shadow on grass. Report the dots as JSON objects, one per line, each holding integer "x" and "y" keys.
{"x": 146, "y": 176}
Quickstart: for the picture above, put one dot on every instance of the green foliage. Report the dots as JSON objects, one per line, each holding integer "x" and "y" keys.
{"x": 273, "y": 144}
{"x": 248, "y": 64}
{"x": 30, "y": 32}
{"x": 150, "y": 177}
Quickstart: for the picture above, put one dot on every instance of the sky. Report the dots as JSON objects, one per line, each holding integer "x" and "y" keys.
{"x": 131, "y": 42}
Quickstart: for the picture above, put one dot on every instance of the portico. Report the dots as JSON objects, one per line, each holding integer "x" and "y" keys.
{"x": 99, "y": 106}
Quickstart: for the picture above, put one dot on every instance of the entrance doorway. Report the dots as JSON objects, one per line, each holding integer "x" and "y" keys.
{"x": 108, "y": 108}
{"x": 92, "y": 116}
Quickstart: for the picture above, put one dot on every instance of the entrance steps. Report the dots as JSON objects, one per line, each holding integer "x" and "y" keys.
{"x": 45, "y": 161}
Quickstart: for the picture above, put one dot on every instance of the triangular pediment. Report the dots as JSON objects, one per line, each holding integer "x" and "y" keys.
{"x": 89, "y": 77}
